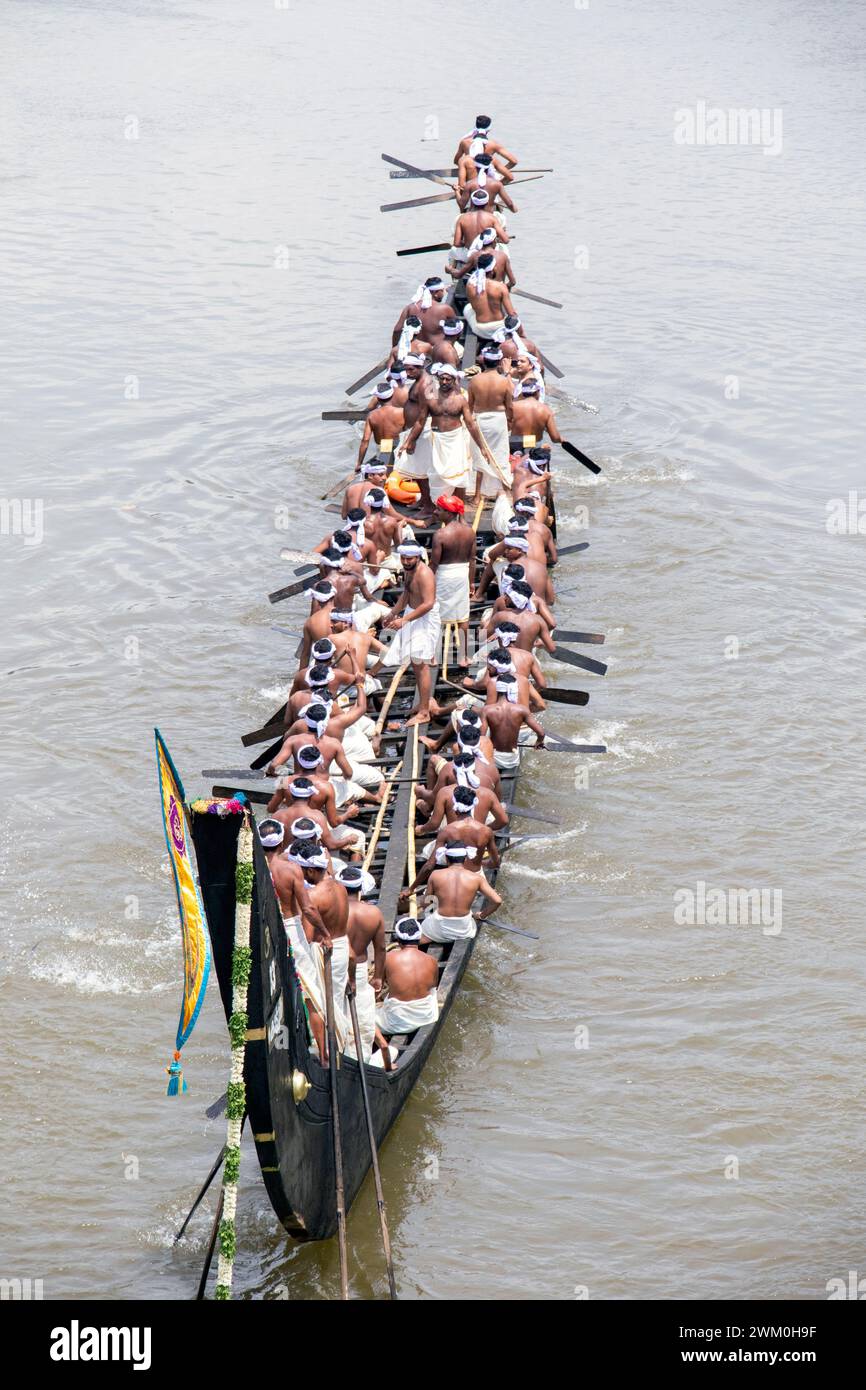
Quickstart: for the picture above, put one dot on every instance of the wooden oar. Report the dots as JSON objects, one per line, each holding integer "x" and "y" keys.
{"x": 418, "y": 173}
{"x": 565, "y": 745}
{"x": 202, "y": 1283}
{"x": 568, "y": 635}
{"x": 440, "y": 198}
{"x": 207, "y": 1182}
{"x": 586, "y": 663}
{"x": 504, "y": 926}
{"x": 377, "y": 1176}
{"x": 290, "y": 590}
{"x": 581, "y": 458}
{"x": 551, "y": 367}
{"x": 344, "y": 414}
{"x": 529, "y": 815}
{"x": 397, "y": 174}
{"x": 308, "y": 558}
{"x": 555, "y": 696}
{"x": 338, "y": 487}
{"x": 423, "y": 250}
{"x": 539, "y": 299}
{"x": 339, "y": 1185}
{"x": 362, "y": 380}
{"x": 572, "y": 549}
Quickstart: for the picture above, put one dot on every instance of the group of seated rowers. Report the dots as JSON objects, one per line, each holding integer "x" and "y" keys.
{"x": 384, "y": 591}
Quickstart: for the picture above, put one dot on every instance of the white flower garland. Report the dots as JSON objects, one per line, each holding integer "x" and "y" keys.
{"x": 238, "y": 1023}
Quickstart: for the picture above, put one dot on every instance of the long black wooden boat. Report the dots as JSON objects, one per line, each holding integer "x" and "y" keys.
{"x": 288, "y": 1089}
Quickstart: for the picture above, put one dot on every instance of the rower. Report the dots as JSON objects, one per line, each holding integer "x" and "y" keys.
{"x": 478, "y": 838}
{"x": 384, "y": 528}
{"x": 332, "y": 901}
{"x": 428, "y": 305}
{"x": 467, "y": 168}
{"x": 371, "y": 474}
{"x": 305, "y": 929}
{"x": 445, "y": 345}
{"x": 501, "y": 665}
{"x": 453, "y": 889}
{"x": 533, "y": 417}
{"x": 396, "y": 376}
{"x": 504, "y": 719}
{"x": 384, "y": 424}
{"x": 448, "y": 413}
{"x": 412, "y": 978}
{"x": 524, "y": 662}
{"x": 470, "y": 226}
{"x": 486, "y": 241}
{"x": 531, "y": 509}
{"x": 319, "y": 682}
{"x": 345, "y": 727}
{"x": 415, "y": 619}
{"x": 315, "y": 791}
{"x": 303, "y": 823}
{"x": 519, "y": 529}
{"x": 531, "y": 473}
{"x": 482, "y": 178}
{"x": 487, "y": 299}
{"x": 480, "y": 139}
{"x": 519, "y": 611}
{"x": 366, "y": 928}
{"x": 322, "y": 597}
{"x": 346, "y": 577}
{"x": 515, "y": 344}
{"x": 480, "y": 802}
{"x": 353, "y": 645}
{"x": 452, "y": 560}
{"x": 515, "y": 549}
{"x": 490, "y": 400}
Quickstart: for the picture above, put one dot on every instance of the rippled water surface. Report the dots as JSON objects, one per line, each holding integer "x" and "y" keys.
{"x": 164, "y": 374}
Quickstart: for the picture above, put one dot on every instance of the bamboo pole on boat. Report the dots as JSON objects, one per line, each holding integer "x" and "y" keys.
{"x": 410, "y": 827}
{"x": 374, "y": 1154}
{"x": 339, "y": 1182}
{"x": 380, "y": 818}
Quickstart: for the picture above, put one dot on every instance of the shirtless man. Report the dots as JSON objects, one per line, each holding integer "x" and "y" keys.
{"x": 531, "y": 627}
{"x": 332, "y": 902}
{"x": 540, "y": 546}
{"x": 531, "y": 474}
{"x": 346, "y": 577}
{"x": 481, "y": 802}
{"x": 318, "y": 682}
{"x": 415, "y": 619}
{"x": 479, "y": 139}
{"x": 447, "y": 411}
{"x": 454, "y": 889}
{"x": 478, "y": 839}
{"x": 366, "y": 929}
{"x": 524, "y": 662}
{"x": 488, "y": 244}
{"x": 452, "y": 560}
{"x": 383, "y": 527}
{"x": 467, "y": 167}
{"x": 429, "y": 306}
{"x": 417, "y": 465}
{"x": 533, "y": 510}
{"x": 301, "y": 917}
{"x": 397, "y": 378}
{"x": 480, "y": 178}
{"x": 322, "y": 597}
{"x": 502, "y": 663}
{"x": 487, "y": 298}
{"x": 490, "y": 400}
{"x": 316, "y": 791}
{"x": 371, "y": 474}
{"x": 302, "y": 822}
{"x": 329, "y": 747}
{"x": 515, "y": 343}
{"x": 412, "y": 978}
{"x": 514, "y": 549}
{"x": 532, "y": 417}
{"x": 504, "y": 719}
{"x": 384, "y": 425}
{"x": 478, "y": 218}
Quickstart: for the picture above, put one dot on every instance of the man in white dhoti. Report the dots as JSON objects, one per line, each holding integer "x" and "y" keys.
{"x": 453, "y": 889}
{"x": 415, "y": 619}
{"x": 491, "y": 400}
{"x": 452, "y": 560}
{"x": 450, "y": 418}
{"x": 332, "y": 902}
{"x": 504, "y": 720}
{"x": 412, "y": 978}
{"x": 487, "y": 299}
{"x": 366, "y": 930}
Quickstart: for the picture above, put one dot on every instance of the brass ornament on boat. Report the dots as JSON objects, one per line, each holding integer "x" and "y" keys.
{"x": 301, "y": 1086}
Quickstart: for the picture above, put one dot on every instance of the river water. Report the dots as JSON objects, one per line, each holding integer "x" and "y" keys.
{"x": 636, "y": 1105}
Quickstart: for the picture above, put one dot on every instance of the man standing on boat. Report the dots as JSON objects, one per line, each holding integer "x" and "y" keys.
{"x": 412, "y": 978}
{"x": 487, "y": 299}
{"x": 366, "y": 929}
{"x": 490, "y": 400}
{"x": 532, "y": 417}
{"x": 448, "y": 413}
{"x": 452, "y": 560}
{"x": 415, "y": 619}
{"x": 332, "y": 902}
{"x": 384, "y": 425}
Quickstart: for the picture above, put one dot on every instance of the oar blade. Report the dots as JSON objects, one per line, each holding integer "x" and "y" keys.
{"x": 568, "y": 634}
{"x": 585, "y": 663}
{"x": 423, "y": 250}
{"x": 417, "y": 202}
{"x": 581, "y": 458}
{"x": 368, "y": 376}
{"x": 564, "y": 697}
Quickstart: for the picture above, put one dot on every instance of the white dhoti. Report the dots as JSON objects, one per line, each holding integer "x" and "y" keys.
{"x": 450, "y": 462}
{"x": 416, "y": 640}
{"x": 368, "y": 614}
{"x": 494, "y": 426}
{"x": 503, "y": 511}
{"x": 356, "y": 741}
{"x": 418, "y": 464}
{"x": 452, "y": 592}
{"x": 340, "y": 972}
{"x": 506, "y": 760}
{"x": 482, "y": 330}
{"x": 438, "y": 928}
{"x": 355, "y": 841}
{"x": 365, "y": 1006}
{"x": 405, "y": 1015}
{"x": 310, "y": 968}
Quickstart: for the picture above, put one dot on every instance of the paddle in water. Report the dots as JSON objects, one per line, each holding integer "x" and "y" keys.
{"x": 581, "y": 458}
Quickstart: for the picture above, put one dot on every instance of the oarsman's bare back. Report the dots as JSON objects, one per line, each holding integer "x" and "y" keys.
{"x": 455, "y": 888}
{"x": 531, "y": 629}
{"x": 383, "y": 425}
{"x": 410, "y": 973}
{"x": 534, "y": 418}
{"x": 473, "y": 222}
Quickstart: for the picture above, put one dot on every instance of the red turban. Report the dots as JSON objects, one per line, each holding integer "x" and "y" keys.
{"x": 451, "y": 504}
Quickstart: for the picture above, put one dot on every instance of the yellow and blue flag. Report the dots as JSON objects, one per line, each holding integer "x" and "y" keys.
{"x": 196, "y": 943}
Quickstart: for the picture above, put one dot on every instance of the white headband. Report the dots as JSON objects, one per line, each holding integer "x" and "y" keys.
{"x": 308, "y": 761}
{"x": 479, "y": 197}
{"x": 516, "y": 543}
{"x": 301, "y": 793}
{"x": 347, "y": 617}
{"x": 505, "y": 635}
{"x": 314, "y": 832}
{"x": 384, "y": 391}
{"x": 377, "y": 503}
{"x": 508, "y": 687}
{"x": 409, "y": 549}
{"x": 520, "y": 600}
{"x": 484, "y": 238}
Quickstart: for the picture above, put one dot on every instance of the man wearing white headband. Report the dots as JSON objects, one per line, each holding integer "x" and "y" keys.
{"x": 478, "y": 220}
{"x": 479, "y": 141}
{"x": 507, "y": 716}
{"x": 318, "y": 624}
{"x": 462, "y": 265}
{"x": 366, "y": 930}
{"x": 452, "y": 802}
{"x": 384, "y": 424}
{"x": 415, "y": 620}
{"x": 332, "y": 902}
{"x": 452, "y": 560}
{"x": 342, "y": 736}
{"x": 490, "y": 400}
{"x": 479, "y": 176}
{"x": 302, "y": 921}
{"x": 487, "y": 299}
{"x": 533, "y": 417}
{"x": 453, "y": 889}
{"x": 478, "y": 838}
{"x": 429, "y": 306}
{"x": 452, "y": 424}
{"x": 517, "y": 549}
{"x": 412, "y": 978}
{"x": 309, "y": 788}
{"x": 416, "y": 466}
